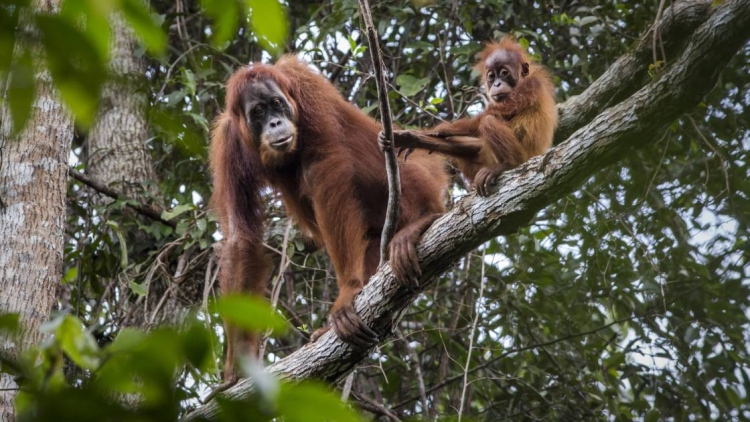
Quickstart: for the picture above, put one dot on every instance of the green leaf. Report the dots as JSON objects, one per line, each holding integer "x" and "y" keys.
{"x": 359, "y": 51}
{"x": 145, "y": 26}
{"x": 8, "y": 322}
{"x": 734, "y": 397}
{"x": 311, "y": 402}
{"x": 423, "y": 45}
{"x": 370, "y": 107}
{"x": 70, "y": 276}
{"x": 465, "y": 49}
{"x": 127, "y": 340}
{"x": 123, "y": 244}
{"x": 77, "y": 343}
{"x": 182, "y": 227}
{"x": 196, "y": 345}
{"x": 225, "y": 15}
{"x": 189, "y": 80}
{"x": 268, "y": 21}
{"x": 8, "y": 22}
{"x": 250, "y": 313}
{"x": 174, "y": 212}
{"x": 77, "y": 68}
{"x": 21, "y": 91}
{"x": 92, "y": 16}
{"x": 139, "y": 289}
{"x": 653, "y": 415}
{"x": 587, "y": 20}
{"x": 409, "y": 85}
{"x": 201, "y": 223}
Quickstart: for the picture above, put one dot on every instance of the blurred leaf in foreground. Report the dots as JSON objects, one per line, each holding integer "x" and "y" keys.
{"x": 268, "y": 21}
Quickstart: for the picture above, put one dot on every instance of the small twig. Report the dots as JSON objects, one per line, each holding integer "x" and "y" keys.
{"x": 374, "y": 407}
{"x": 391, "y": 164}
{"x": 656, "y": 34}
{"x": 220, "y": 389}
{"x": 722, "y": 159}
{"x": 338, "y": 68}
{"x": 295, "y": 321}
{"x": 106, "y": 190}
{"x": 417, "y": 369}
{"x": 182, "y": 263}
{"x": 447, "y": 79}
{"x": 471, "y": 340}
{"x": 210, "y": 280}
{"x": 658, "y": 167}
{"x": 347, "y": 386}
{"x": 171, "y": 67}
{"x": 366, "y": 77}
{"x": 276, "y": 288}
{"x": 283, "y": 265}
{"x": 161, "y": 303}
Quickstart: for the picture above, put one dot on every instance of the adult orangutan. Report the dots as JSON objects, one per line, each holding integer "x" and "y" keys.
{"x": 287, "y": 127}
{"x": 518, "y": 123}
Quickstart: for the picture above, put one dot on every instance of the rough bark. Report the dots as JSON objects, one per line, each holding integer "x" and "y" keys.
{"x": 526, "y": 190}
{"x": 117, "y": 153}
{"x": 33, "y": 171}
{"x": 118, "y": 157}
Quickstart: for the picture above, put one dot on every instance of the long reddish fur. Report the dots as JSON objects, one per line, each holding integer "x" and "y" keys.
{"x": 334, "y": 185}
{"x": 505, "y": 134}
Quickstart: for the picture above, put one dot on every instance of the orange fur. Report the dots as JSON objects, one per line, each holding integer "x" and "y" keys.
{"x": 507, "y": 133}
{"x": 515, "y": 127}
{"x": 332, "y": 183}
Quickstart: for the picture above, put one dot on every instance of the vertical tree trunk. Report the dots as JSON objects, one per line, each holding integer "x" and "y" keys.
{"x": 33, "y": 171}
{"x": 118, "y": 156}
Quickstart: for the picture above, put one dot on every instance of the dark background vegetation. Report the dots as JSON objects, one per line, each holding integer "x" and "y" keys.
{"x": 628, "y": 299}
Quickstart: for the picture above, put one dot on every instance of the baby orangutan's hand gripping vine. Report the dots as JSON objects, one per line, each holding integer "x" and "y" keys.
{"x": 518, "y": 124}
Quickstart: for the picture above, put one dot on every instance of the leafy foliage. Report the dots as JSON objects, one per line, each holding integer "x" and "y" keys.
{"x": 628, "y": 299}
{"x": 132, "y": 378}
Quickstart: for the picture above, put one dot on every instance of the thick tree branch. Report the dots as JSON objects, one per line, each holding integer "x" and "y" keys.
{"x": 106, "y": 190}
{"x": 630, "y": 72}
{"x": 525, "y": 190}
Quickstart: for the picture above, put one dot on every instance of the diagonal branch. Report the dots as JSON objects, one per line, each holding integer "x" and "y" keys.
{"x": 525, "y": 191}
{"x": 106, "y": 190}
{"x": 630, "y": 72}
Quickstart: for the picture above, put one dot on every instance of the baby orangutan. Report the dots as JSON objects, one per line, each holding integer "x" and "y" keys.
{"x": 518, "y": 123}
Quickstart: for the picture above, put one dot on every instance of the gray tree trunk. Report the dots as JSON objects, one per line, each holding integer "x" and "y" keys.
{"x": 33, "y": 172}
{"x": 119, "y": 157}
{"x": 524, "y": 191}
{"x": 117, "y": 153}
